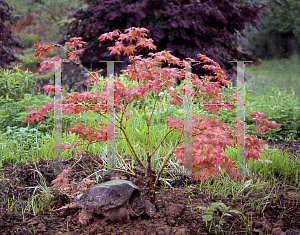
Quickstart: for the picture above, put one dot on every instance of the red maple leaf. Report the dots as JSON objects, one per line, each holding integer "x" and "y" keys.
{"x": 33, "y": 115}
{"x": 41, "y": 50}
{"x": 74, "y": 42}
{"x": 73, "y": 54}
{"x": 48, "y": 64}
{"x": 60, "y": 146}
{"x": 60, "y": 182}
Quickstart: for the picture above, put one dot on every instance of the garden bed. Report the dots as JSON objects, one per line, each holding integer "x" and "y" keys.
{"x": 177, "y": 211}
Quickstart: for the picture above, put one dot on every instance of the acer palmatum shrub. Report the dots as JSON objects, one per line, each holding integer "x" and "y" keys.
{"x": 210, "y": 135}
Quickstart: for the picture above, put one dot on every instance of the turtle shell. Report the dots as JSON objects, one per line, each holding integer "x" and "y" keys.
{"x": 107, "y": 195}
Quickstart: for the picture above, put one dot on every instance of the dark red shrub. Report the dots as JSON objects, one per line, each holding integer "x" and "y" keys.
{"x": 184, "y": 27}
{"x": 8, "y": 41}
{"x": 22, "y": 24}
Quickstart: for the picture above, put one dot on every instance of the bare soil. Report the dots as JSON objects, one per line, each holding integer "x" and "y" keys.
{"x": 176, "y": 213}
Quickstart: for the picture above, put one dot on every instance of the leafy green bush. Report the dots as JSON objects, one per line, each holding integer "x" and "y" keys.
{"x": 278, "y": 106}
{"x": 28, "y": 40}
{"x": 15, "y": 83}
{"x": 14, "y": 98}
{"x": 26, "y": 58}
{"x": 28, "y": 140}
{"x": 12, "y": 113}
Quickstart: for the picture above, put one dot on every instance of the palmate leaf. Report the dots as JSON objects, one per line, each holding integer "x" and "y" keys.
{"x": 41, "y": 50}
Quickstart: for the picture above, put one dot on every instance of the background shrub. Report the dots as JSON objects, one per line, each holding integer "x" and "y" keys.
{"x": 28, "y": 40}
{"x": 279, "y": 106}
{"x": 13, "y": 112}
{"x": 186, "y": 28}
{"x": 15, "y": 83}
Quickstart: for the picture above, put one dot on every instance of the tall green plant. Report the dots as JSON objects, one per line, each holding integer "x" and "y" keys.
{"x": 28, "y": 40}
{"x": 15, "y": 83}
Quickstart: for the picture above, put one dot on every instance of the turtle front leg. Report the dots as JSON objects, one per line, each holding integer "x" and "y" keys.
{"x": 150, "y": 209}
{"x": 117, "y": 214}
{"x": 85, "y": 217}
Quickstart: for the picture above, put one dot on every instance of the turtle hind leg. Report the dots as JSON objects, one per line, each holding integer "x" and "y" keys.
{"x": 117, "y": 214}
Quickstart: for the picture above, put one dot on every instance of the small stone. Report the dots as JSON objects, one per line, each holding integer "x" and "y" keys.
{"x": 257, "y": 224}
{"x": 164, "y": 230}
{"x": 250, "y": 214}
{"x": 170, "y": 221}
{"x": 41, "y": 228}
{"x": 278, "y": 223}
{"x": 35, "y": 222}
{"x": 181, "y": 231}
{"x": 40, "y": 225}
{"x": 277, "y": 231}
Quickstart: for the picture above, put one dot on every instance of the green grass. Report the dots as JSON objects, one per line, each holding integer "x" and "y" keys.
{"x": 283, "y": 74}
{"x": 17, "y": 150}
{"x": 136, "y": 129}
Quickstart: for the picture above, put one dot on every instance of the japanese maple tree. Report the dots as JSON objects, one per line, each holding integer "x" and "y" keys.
{"x": 210, "y": 135}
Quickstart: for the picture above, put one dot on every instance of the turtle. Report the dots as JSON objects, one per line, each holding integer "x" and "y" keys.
{"x": 117, "y": 200}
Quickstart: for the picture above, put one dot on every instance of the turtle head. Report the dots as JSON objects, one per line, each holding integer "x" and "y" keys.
{"x": 136, "y": 205}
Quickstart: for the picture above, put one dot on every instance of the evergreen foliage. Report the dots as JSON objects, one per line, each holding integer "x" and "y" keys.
{"x": 279, "y": 35}
{"x": 51, "y": 15}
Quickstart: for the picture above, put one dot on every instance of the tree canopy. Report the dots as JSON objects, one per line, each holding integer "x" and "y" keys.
{"x": 8, "y": 41}
{"x": 186, "y": 28}
{"x": 279, "y": 34}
